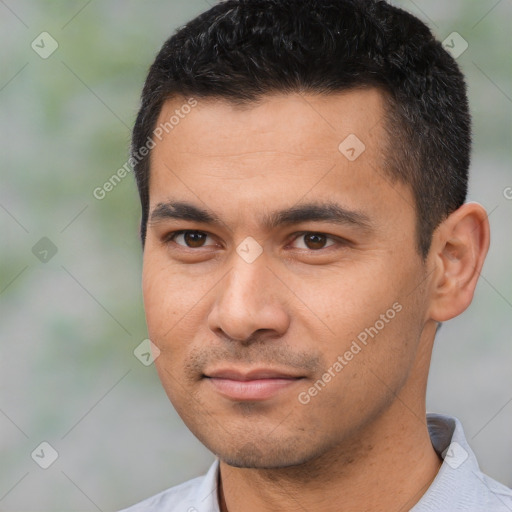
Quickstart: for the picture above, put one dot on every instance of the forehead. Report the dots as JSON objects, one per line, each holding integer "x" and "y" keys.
{"x": 312, "y": 124}
{"x": 283, "y": 149}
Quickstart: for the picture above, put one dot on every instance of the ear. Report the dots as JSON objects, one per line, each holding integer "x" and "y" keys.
{"x": 458, "y": 250}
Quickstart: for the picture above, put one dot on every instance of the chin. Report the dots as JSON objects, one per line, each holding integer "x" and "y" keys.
{"x": 263, "y": 456}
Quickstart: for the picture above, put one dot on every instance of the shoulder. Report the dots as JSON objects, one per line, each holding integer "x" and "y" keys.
{"x": 481, "y": 493}
{"x": 495, "y": 495}
{"x": 460, "y": 484}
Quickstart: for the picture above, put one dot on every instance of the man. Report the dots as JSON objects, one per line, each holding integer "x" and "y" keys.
{"x": 302, "y": 168}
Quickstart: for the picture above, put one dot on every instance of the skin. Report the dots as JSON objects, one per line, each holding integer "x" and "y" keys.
{"x": 361, "y": 443}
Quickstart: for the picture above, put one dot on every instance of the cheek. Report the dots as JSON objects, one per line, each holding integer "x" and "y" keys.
{"x": 163, "y": 302}
{"x": 169, "y": 309}
{"x": 372, "y": 317}
{"x": 174, "y": 304}
{"x": 350, "y": 300}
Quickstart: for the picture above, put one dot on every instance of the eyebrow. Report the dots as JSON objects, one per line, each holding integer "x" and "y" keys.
{"x": 308, "y": 212}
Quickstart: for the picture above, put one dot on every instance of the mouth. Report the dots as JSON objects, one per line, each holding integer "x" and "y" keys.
{"x": 256, "y": 384}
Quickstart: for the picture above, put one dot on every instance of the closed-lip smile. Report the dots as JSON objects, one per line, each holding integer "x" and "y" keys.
{"x": 254, "y": 384}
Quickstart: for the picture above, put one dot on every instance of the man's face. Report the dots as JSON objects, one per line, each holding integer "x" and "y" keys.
{"x": 281, "y": 336}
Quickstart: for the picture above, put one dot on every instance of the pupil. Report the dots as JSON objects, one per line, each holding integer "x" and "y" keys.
{"x": 317, "y": 241}
{"x": 189, "y": 239}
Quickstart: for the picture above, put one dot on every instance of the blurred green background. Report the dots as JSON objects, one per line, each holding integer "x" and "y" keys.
{"x": 70, "y": 321}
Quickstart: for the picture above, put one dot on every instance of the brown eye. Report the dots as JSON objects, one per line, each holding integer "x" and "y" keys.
{"x": 314, "y": 241}
{"x": 192, "y": 239}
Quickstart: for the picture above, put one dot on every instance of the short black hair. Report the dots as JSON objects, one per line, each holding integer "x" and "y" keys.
{"x": 240, "y": 50}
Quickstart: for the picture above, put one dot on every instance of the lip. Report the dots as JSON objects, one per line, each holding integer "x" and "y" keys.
{"x": 256, "y": 384}
{"x": 254, "y": 374}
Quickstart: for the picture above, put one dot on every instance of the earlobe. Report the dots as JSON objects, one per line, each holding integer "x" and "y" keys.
{"x": 459, "y": 247}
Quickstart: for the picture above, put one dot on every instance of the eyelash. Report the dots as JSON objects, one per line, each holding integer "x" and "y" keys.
{"x": 171, "y": 236}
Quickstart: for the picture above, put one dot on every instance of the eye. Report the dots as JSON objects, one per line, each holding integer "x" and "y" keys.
{"x": 314, "y": 241}
{"x": 191, "y": 239}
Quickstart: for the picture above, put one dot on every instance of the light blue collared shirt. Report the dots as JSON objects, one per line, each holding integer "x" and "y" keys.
{"x": 459, "y": 484}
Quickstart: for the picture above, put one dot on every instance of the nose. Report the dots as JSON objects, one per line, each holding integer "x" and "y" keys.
{"x": 250, "y": 298}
